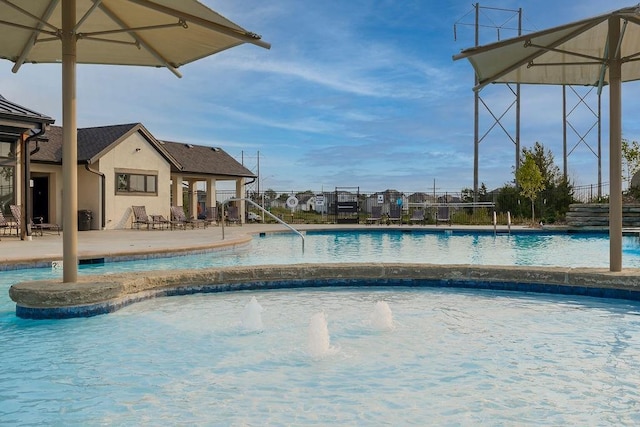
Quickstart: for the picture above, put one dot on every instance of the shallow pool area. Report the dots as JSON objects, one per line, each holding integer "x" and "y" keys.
{"x": 450, "y": 356}
{"x": 342, "y": 355}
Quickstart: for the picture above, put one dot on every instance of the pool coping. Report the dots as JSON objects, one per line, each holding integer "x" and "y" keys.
{"x": 101, "y": 294}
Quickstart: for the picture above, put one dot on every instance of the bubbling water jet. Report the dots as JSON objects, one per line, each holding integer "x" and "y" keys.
{"x": 252, "y": 316}
{"x": 382, "y": 317}
{"x": 319, "y": 342}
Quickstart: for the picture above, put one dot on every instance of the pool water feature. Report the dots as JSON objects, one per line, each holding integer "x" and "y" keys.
{"x": 319, "y": 356}
{"x": 453, "y": 357}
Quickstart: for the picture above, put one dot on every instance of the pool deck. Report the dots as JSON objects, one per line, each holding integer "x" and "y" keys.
{"x": 93, "y": 295}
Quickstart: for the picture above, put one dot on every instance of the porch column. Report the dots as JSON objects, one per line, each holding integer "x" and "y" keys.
{"x": 211, "y": 193}
{"x": 176, "y": 190}
{"x": 193, "y": 199}
{"x": 240, "y": 193}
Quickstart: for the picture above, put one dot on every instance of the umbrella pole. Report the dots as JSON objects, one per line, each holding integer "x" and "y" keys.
{"x": 615, "y": 150}
{"x": 69, "y": 145}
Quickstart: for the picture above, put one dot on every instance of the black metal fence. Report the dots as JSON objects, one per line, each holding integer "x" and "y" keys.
{"x": 350, "y": 205}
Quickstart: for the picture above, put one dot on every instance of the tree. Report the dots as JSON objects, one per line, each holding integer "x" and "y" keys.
{"x": 545, "y": 162}
{"x": 270, "y": 194}
{"x": 530, "y": 180}
{"x": 630, "y": 159}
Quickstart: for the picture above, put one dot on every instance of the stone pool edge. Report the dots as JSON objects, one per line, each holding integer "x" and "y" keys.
{"x": 94, "y": 295}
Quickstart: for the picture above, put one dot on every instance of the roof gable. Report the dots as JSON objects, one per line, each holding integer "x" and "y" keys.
{"x": 94, "y": 142}
{"x": 200, "y": 159}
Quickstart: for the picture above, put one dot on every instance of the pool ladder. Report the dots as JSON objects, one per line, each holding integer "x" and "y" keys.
{"x": 264, "y": 211}
{"x": 495, "y": 223}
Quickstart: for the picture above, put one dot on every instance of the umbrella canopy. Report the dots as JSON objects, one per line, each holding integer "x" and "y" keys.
{"x": 599, "y": 51}
{"x": 157, "y": 33}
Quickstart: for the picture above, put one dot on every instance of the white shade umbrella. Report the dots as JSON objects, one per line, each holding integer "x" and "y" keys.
{"x": 603, "y": 50}
{"x": 157, "y": 33}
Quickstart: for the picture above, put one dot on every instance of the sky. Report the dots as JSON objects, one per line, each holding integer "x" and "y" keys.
{"x": 356, "y": 93}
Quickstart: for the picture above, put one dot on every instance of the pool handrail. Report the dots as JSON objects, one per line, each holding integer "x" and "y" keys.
{"x": 242, "y": 199}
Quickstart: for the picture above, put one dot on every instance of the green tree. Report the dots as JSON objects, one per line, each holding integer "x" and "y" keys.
{"x": 630, "y": 159}
{"x": 557, "y": 195}
{"x": 543, "y": 158}
{"x": 530, "y": 180}
{"x": 270, "y": 194}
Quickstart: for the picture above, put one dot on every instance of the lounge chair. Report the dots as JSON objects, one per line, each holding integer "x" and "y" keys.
{"x": 140, "y": 217}
{"x": 6, "y": 225}
{"x": 16, "y": 211}
{"x": 417, "y": 216}
{"x": 376, "y": 215}
{"x": 443, "y": 215}
{"x": 179, "y": 219}
{"x": 395, "y": 213}
{"x": 233, "y": 215}
{"x": 211, "y": 215}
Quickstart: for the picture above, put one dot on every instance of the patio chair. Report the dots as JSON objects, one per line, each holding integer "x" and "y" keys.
{"x": 179, "y": 219}
{"x": 160, "y": 222}
{"x": 417, "y": 216}
{"x": 140, "y": 217}
{"x": 395, "y": 213}
{"x": 211, "y": 215}
{"x": 6, "y": 225}
{"x": 233, "y": 215}
{"x": 376, "y": 215}
{"x": 443, "y": 215}
{"x": 16, "y": 211}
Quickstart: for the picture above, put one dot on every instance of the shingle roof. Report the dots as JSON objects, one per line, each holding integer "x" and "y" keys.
{"x": 91, "y": 141}
{"x": 199, "y": 159}
{"x": 13, "y": 110}
{"x": 195, "y": 159}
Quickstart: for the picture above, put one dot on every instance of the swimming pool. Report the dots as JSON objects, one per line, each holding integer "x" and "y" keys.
{"x": 451, "y": 356}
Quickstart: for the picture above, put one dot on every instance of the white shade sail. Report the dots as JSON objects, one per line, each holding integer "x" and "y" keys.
{"x": 157, "y": 33}
{"x": 574, "y": 53}
{"x": 603, "y": 50}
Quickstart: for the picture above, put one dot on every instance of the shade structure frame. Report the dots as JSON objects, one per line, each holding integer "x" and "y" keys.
{"x": 197, "y": 31}
{"x": 609, "y": 44}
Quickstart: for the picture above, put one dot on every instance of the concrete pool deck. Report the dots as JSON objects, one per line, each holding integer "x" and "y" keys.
{"x": 93, "y": 295}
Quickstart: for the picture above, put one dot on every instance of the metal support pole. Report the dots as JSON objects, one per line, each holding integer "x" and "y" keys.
{"x": 615, "y": 144}
{"x": 69, "y": 145}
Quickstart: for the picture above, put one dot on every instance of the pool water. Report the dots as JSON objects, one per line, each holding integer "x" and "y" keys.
{"x": 451, "y": 356}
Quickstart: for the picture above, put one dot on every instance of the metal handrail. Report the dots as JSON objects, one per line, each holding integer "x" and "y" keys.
{"x": 263, "y": 210}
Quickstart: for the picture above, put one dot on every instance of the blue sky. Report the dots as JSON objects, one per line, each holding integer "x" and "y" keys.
{"x": 352, "y": 93}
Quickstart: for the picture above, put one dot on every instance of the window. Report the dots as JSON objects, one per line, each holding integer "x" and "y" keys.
{"x": 7, "y": 173}
{"x": 136, "y": 183}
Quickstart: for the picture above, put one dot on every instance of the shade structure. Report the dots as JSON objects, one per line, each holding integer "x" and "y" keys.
{"x": 157, "y": 33}
{"x": 598, "y": 51}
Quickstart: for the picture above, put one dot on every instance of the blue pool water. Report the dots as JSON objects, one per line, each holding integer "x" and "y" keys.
{"x": 451, "y": 356}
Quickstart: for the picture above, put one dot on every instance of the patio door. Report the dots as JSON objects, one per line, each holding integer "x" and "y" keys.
{"x": 40, "y": 197}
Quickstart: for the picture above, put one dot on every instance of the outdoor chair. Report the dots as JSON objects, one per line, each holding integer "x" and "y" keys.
{"x": 160, "y": 222}
{"x": 6, "y": 225}
{"x": 16, "y": 211}
{"x": 376, "y": 215}
{"x": 417, "y": 217}
{"x": 140, "y": 217}
{"x": 443, "y": 215}
{"x": 233, "y": 215}
{"x": 395, "y": 213}
{"x": 211, "y": 215}
{"x": 179, "y": 219}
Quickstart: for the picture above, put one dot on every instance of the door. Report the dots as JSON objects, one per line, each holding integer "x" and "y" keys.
{"x": 40, "y": 197}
